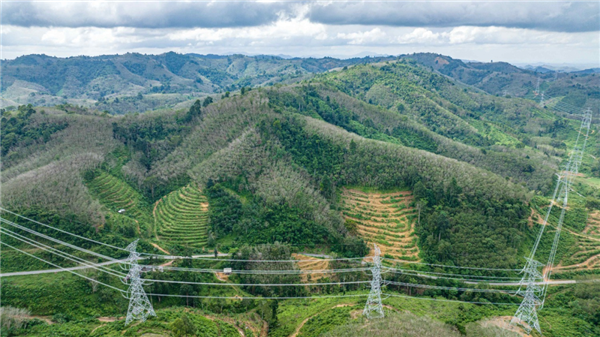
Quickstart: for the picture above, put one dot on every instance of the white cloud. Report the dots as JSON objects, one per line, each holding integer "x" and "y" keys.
{"x": 361, "y": 37}
{"x": 298, "y": 36}
{"x": 420, "y": 36}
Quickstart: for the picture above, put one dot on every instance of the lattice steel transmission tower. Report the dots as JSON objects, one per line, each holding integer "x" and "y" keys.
{"x": 139, "y": 305}
{"x": 575, "y": 162}
{"x": 526, "y": 315}
{"x": 374, "y": 308}
{"x": 536, "y": 283}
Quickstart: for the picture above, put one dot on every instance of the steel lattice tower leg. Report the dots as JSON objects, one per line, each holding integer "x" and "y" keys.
{"x": 526, "y": 315}
{"x": 374, "y": 308}
{"x": 139, "y": 305}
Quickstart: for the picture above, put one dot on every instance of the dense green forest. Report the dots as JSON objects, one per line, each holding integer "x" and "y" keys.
{"x": 265, "y": 168}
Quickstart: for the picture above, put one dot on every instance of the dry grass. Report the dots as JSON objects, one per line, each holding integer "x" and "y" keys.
{"x": 311, "y": 263}
{"x": 13, "y": 317}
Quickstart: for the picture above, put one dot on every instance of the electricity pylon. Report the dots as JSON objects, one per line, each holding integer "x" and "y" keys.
{"x": 527, "y": 312}
{"x": 373, "y": 307}
{"x": 139, "y": 305}
{"x": 536, "y": 283}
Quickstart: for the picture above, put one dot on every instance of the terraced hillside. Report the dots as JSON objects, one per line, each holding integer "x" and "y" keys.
{"x": 592, "y": 227}
{"x": 116, "y": 194}
{"x": 585, "y": 253}
{"x": 584, "y": 256}
{"x": 385, "y": 219}
{"x": 181, "y": 217}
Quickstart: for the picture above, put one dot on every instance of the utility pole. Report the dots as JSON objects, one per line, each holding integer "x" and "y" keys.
{"x": 139, "y": 305}
{"x": 536, "y": 283}
{"x": 526, "y": 315}
{"x": 374, "y": 308}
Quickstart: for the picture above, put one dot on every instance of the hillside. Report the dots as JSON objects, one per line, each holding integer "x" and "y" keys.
{"x": 579, "y": 89}
{"x": 432, "y": 170}
{"x": 136, "y": 82}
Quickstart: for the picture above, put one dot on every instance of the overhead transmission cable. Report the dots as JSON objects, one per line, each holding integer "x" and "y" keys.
{"x": 60, "y": 253}
{"x": 266, "y": 272}
{"x": 427, "y": 273}
{"x": 219, "y": 259}
{"x": 63, "y": 231}
{"x": 63, "y": 268}
{"x": 447, "y": 266}
{"x": 31, "y": 231}
{"x": 427, "y": 286}
{"x": 578, "y": 156}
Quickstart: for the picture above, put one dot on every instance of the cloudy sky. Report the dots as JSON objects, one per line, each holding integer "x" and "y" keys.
{"x": 514, "y": 31}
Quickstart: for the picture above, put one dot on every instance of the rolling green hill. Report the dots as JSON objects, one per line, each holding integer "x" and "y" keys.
{"x": 389, "y": 152}
{"x": 578, "y": 89}
{"x": 136, "y": 82}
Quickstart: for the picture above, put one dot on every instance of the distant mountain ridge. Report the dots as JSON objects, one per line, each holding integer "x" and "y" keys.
{"x": 580, "y": 89}
{"x": 135, "y": 82}
{"x": 84, "y": 80}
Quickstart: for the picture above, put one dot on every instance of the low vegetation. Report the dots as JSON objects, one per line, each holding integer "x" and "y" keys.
{"x": 386, "y": 219}
{"x": 181, "y": 217}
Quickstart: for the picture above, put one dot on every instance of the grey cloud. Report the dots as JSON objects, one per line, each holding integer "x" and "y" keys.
{"x": 550, "y": 16}
{"x": 142, "y": 14}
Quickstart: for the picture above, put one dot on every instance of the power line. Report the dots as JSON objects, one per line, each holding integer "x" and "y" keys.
{"x": 427, "y": 286}
{"x": 171, "y": 257}
{"x": 65, "y": 269}
{"x": 258, "y": 298}
{"x": 447, "y": 266}
{"x": 258, "y": 284}
{"x": 63, "y": 231}
{"x": 373, "y": 307}
{"x": 31, "y": 231}
{"x": 60, "y": 253}
{"x": 235, "y": 260}
{"x": 428, "y": 273}
{"x": 534, "y": 295}
{"x": 266, "y": 272}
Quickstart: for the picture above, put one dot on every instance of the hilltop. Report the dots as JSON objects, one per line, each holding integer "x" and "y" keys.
{"x": 136, "y": 82}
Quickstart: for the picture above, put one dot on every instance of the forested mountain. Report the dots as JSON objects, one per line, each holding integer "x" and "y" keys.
{"x": 286, "y": 151}
{"x": 132, "y": 82}
{"x": 579, "y": 88}
{"x": 266, "y": 171}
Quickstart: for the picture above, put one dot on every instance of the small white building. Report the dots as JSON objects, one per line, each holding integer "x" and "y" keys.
{"x": 122, "y": 210}
{"x": 227, "y": 271}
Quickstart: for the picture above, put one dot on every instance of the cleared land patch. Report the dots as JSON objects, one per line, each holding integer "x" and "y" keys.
{"x": 311, "y": 263}
{"x": 181, "y": 217}
{"x": 385, "y": 219}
